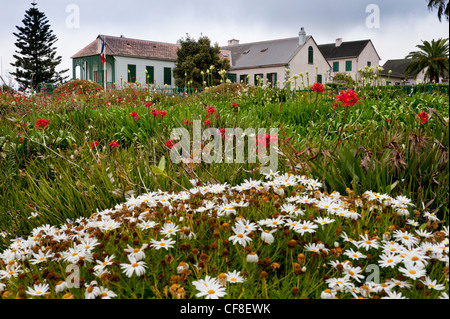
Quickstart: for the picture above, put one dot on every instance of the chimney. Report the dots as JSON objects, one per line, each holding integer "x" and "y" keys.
{"x": 338, "y": 42}
{"x": 302, "y": 36}
{"x": 233, "y": 42}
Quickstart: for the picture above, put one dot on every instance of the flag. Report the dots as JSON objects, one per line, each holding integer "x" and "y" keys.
{"x": 103, "y": 52}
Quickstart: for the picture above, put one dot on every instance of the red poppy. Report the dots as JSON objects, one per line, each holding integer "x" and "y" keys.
{"x": 234, "y": 105}
{"x": 423, "y": 117}
{"x": 148, "y": 104}
{"x": 207, "y": 122}
{"x": 42, "y": 123}
{"x": 317, "y": 87}
{"x": 114, "y": 144}
{"x": 348, "y": 98}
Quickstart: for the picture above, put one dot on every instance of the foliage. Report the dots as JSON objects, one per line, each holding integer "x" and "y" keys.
{"x": 78, "y": 87}
{"x": 198, "y": 63}
{"x": 433, "y": 59}
{"x": 442, "y": 7}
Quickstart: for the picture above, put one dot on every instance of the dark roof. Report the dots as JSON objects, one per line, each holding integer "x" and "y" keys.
{"x": 265, "y": 53}
{"x": 397, "y": 68}
{"x": 121, "y": 46}
{"x": 347, "y": 49}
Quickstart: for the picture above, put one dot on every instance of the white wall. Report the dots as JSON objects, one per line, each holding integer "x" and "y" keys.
{"x": 141, "y": 64}
{"x": 299, "y": 64}
{"x": 280, "y": 70}
{"x": 368, "y": 54}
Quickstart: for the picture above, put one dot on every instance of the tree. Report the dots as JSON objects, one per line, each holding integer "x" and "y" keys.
{"x": 441, "y": 6}
{"x": 198, "y": 61}
{"x": 433, "y": 59}
{"x": 36, "y": 55}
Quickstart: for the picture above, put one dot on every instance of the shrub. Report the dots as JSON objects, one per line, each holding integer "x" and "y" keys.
{"x": 78, "y": 87}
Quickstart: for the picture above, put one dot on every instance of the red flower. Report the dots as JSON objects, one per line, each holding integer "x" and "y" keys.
{"x": 163, "y": 113}
{"x": 317, "y": 87}
{"x": 211, "y": 110}
{"x": 348, "y": 98}
{"x": 207, "y": 122}
{"x": 234, "y": 105}
{"x": 134, "y": 115}
{"x": 94, "y": 144}
{"x": 155, "y": 112}
{"x": 114, "y": 144}
{"x": 148, "y": 104}
{"x": 170, "y": 143}
{"x": 423, "y": 117}
{"x": 42, "y": 123}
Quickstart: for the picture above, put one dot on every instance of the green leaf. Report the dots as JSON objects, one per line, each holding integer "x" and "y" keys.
{"x": 158, "y": 171}
{"x": 162, "y": 163}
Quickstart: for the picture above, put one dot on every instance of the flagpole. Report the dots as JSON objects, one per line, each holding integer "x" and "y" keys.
{"x": 104, "y": 67}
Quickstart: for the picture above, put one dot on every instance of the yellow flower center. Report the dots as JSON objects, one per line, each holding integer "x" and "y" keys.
{"x": 415, "y": 258}
{"x": 390, "y": 260}
{"x": 134, "y": 265}
{"x": 211, "y": 291}
{"x": 240, "y": 235}
{"x": 412, "y": 272}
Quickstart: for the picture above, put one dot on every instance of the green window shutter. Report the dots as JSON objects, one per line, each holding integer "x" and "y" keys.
{"x": 310, "y": 55}
{"x": 243, "y": 78}
{"x": 150, "y": 75}
{"x": 348, "y": 65}
{"x": 335, "y": 66}
{"x": 319, "y": 78}
{"x": 131, "y": 73}
{"x": 258, "y": 78}
{"x": 272, "y": 78}
{"x": 232, "y": 77}
{"x": 168, "y": 76}
{"x": 369, "y": 63}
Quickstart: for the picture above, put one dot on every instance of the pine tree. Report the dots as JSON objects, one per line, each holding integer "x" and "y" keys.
{"x": 36, "y": 55}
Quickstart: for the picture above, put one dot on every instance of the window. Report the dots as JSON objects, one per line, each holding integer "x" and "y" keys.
{"x": 243, "y": 78}
{"x": 348, "y": 65}
{"x": 272, "y": 79}
{"x": 335, "y": 66}
{"x": 150, "y": 74}
{"x": 369, "y": 63}
{"x": 258, "y": 78}
{"x": 319, "y": 78}
{"x": 310, "y": 55}
{"x": 232, "y": 77}
{"x": 168, "y": 76}
{"x": 131, "y": 73}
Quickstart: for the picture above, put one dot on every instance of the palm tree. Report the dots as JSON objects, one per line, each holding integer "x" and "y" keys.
{"x": 432, "y": 59}
{"x": 441, "y": 6}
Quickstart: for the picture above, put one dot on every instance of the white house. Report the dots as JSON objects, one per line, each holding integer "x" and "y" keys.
{"x": 127, "y": 61}
{"x": 351, "y": 56}
{"x": 268, "y": 60}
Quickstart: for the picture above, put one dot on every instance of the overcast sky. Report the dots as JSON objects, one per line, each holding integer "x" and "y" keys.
{"x": 394, "y": 26}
